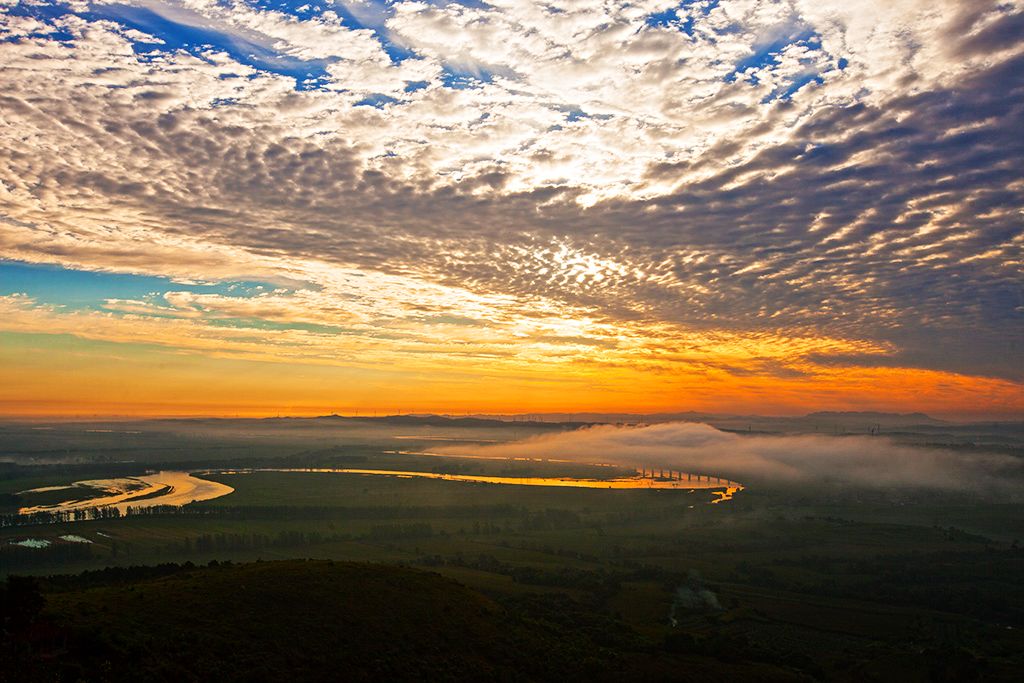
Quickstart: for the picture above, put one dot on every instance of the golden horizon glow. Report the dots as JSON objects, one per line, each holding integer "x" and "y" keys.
{"x": 73, "y": 377}
{"x": 618, "y": 207}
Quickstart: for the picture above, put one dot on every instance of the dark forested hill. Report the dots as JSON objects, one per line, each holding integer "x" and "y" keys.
{"x": 318, "y": 620}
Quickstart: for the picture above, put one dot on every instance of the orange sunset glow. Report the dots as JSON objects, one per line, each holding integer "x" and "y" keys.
{"x": 459, "y": 225}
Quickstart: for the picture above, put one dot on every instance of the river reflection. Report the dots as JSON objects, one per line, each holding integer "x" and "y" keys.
{"x": 181, "y": 488}
{"x": 727, "y": 494}
{"x": 160, "y": 488}
{"x": 638, "y": 482}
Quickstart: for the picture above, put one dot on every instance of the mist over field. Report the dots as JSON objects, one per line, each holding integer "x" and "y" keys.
{"x": 872, "y": 461}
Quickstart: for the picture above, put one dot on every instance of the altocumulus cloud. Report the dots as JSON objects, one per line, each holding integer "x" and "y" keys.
{"x": 821, "y": 167}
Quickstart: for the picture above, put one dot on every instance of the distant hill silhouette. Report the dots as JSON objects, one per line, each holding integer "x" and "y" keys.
{"x": 861, "y": 417}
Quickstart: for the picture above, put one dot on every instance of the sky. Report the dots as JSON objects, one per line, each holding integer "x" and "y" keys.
{"x": 229, "y": 207}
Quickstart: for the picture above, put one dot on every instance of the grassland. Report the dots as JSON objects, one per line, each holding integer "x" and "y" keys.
{"x": 819, "y": 582}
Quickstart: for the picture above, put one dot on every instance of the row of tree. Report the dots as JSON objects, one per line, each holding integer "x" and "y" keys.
{"x": 531, "y": 520}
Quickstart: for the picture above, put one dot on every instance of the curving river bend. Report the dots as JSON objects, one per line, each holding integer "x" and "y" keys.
{"x": 182, "y": 488}
{"x": 161, "y": 488}
{"x": 569, "y": 482}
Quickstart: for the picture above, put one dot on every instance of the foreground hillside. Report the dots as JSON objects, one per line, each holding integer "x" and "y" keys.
{"x": 318, "y": 620}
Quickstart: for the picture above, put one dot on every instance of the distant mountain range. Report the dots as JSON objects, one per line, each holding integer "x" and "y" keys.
{"x": 832, "y": 417}
{"x": 879, "y": 418}
{"x": 821, "y": 421}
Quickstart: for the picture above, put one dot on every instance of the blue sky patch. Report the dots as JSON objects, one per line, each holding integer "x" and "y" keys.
{"x": 461, "y": 78}
{"x": 672, "y": 18}
{"x": 666, "y": 18}
{"x": 767, "y": 54}
{"x": 574, "y": 113}
{"x": 375, "y": 100}
{"x": 372, "y": 17}
{"x": 794, "y": 85}
{"x": 197, "y": 39}
{"x": 86, "y": 289}
{"x": 471, "y": 4}
{"x": 175, "y": 35}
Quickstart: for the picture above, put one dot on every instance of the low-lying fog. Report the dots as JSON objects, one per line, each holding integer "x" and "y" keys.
{"x": 871, "y": 461}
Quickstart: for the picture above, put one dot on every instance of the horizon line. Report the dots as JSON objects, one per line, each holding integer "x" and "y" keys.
{"x": 606, "y": 417}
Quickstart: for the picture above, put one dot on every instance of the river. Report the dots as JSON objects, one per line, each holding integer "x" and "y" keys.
{"x": 569, "y": 482}
{"x": 160, "y": 488}
{"x": 181, "y": 488}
